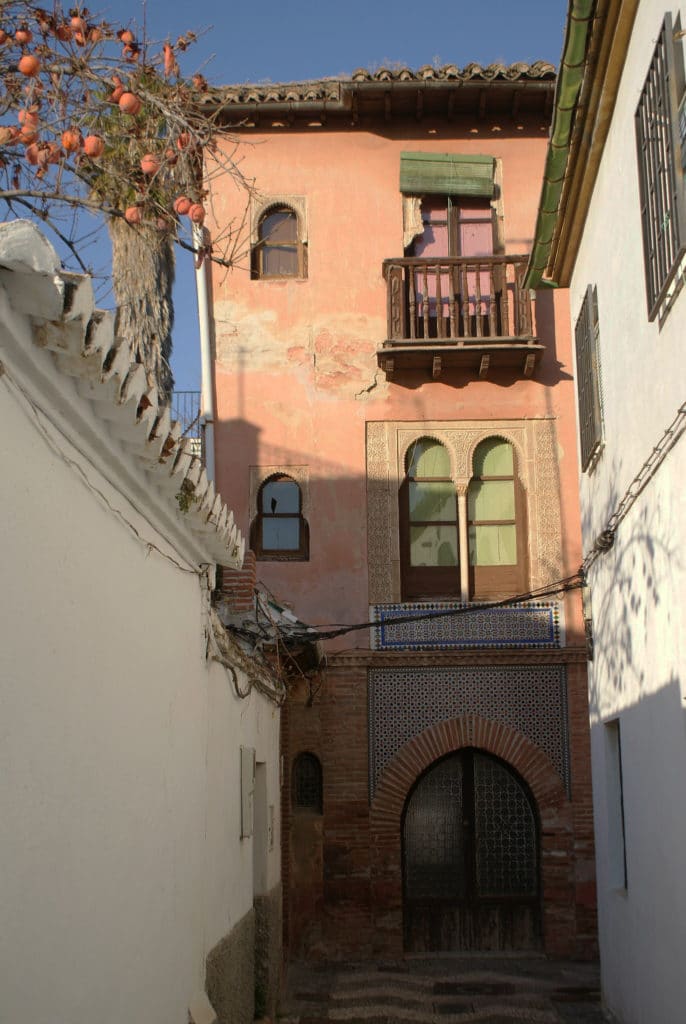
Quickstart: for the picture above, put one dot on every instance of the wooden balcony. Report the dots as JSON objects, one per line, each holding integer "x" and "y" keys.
{"x": 466, "y": 313}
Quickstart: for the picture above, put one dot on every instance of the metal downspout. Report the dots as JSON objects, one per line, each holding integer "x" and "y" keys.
{"x": 570, "y": 78}
{"x": 206, "y": 385}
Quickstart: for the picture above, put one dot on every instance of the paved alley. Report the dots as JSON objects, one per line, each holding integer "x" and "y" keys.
{"x": 444, "y": 990}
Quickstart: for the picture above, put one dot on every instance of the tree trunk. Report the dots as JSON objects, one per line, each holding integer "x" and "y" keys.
{"x": 142, "y": 278}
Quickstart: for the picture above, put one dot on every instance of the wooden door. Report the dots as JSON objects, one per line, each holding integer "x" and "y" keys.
{"x": 453, "y": 227}
{"x": 470, "y": 859}
{"x": 433, "y": 245}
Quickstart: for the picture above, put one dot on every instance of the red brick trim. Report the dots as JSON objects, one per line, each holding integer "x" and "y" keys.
{"x": 485, "y": 656}
{"x": 554, "y": 810}
{"x": 238, "y": 585}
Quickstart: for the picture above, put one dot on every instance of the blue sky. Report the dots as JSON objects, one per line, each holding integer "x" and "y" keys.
{"x": 294, "y": 40}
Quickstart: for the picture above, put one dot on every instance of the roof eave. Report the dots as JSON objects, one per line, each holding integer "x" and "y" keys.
{"x": 331, "y": 97}
{"x": 584, "y": 102}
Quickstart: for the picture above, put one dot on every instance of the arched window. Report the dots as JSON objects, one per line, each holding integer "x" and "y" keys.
{"x": 279, "y": 531}
{"x": 278, "y": 251}
{"x": 496, "y": 528}
{"x": 307, "y": 783}
{"x": 428, "y": 523}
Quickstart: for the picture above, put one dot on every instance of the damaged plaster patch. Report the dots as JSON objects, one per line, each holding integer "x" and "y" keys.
{"x": 361, "y": 395}
{"x": 298, "y": 354}
{"x": 341, "y": 359}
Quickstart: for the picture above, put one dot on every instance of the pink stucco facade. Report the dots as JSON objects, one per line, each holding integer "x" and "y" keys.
{"x": 296, "y": 374}
{"x": 302, "y": 389}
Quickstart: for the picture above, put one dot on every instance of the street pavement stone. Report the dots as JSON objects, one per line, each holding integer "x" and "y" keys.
{"x": 444, "y": 989}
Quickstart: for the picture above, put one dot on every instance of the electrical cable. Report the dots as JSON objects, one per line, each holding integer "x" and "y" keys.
{"x": 603, "y": 543}
{"x": 606, "y": 538}
{"x": 36, "y": 413}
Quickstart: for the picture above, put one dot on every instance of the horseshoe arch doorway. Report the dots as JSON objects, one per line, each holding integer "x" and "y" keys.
{"x": 470, "y": 844}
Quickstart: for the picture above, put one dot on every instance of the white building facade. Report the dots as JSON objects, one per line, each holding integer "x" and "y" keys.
{"x": 619, "y": 245}
{"x": 140, "y": 792}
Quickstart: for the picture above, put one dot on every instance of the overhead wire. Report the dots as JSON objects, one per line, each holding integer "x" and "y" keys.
{"x": 606, "y": 537}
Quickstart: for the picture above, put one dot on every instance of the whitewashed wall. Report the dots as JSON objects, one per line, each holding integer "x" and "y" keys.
{"x": 638, "y": 589}
{"x": 122, "y": 862}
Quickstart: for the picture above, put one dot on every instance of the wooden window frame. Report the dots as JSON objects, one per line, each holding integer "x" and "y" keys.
{"x": 257, "y": 255}
{"x": 454, "y": 204}
{"x": 490, "y": 582}
{"x": 418, "y": 581}
{"x": 660, "y": 176}
{"x": 484, "y": 582}
{"x": 586, "y": 337}
{"x": 262, "y": 554}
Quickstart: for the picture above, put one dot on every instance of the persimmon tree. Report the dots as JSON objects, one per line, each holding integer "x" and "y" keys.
{"x": 94, "y": 117}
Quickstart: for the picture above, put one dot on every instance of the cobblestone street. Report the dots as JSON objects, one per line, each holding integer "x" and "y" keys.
{"x": 444, "y": 990}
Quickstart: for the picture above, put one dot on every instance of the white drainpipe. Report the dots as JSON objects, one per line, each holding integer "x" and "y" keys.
{"x": 206, "y": 390}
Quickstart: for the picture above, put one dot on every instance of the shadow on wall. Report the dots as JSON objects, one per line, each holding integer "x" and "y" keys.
{"x": 345, "y": 564}
{"x": 631, "y": 593}
{"x": 331, "y": 584}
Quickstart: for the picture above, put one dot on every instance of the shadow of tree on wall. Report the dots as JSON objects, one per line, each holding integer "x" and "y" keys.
{"x": 629, "y": 606}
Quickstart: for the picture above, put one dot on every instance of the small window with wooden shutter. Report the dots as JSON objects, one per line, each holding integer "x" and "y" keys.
{"x": 279, "y": 248}
{"x": 588, "y": 378}
{"x": 280, "y": 532}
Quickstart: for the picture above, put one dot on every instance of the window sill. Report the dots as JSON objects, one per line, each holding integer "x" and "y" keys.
{"x": 284, "y": 278}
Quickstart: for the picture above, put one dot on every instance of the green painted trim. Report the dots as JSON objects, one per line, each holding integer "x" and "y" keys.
{"x": 570, "y": 78}
{"x": 446, "y": 174}
{"x": 452, "y": 158}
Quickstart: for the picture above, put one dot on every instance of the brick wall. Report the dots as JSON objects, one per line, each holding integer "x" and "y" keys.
{"x": 237, "y": 586}
{"x": 359, "y": 909}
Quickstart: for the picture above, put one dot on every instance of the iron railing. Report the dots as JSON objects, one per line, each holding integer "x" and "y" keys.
{"x": 186, "y": 409}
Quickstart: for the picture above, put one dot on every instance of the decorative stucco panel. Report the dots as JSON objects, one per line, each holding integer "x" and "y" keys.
{"x": 535, "y": 445}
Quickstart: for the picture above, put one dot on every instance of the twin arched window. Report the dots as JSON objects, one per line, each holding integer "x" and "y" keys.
{"x": 278, "y": 250}
{"x": 433, "y": 561}
{"x": 279, "y": 531}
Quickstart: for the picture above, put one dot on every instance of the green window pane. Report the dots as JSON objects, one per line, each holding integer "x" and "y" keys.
{"x": 491, "y": 499}
{"x": 427, "y": 458}
{"x": 492, "y": 545}
{"x": 433, "y": 545}
{"x": 280, "y": 534}
{"x": 493, "y": 458}
{"x": 432, "y": 501}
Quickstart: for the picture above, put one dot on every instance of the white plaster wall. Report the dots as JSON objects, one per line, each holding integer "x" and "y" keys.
{"x": 638, "y": 589}
{"x": 122, "y": 863}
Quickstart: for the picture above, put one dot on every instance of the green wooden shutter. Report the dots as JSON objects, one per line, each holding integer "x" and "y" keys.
{"x": 588, "y": 378}
{"x": 447, "y": 174}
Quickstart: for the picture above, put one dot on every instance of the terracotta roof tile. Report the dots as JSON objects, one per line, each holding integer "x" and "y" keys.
{"x": 330, "y": 88}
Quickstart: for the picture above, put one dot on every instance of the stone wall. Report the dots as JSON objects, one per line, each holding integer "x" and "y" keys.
{"x": 230, "y": 974}
{"x": 268, "y": 928}
{"x": 243, "y": 971}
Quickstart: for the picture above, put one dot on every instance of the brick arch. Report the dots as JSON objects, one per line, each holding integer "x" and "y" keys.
{"x": 554, "y": 811}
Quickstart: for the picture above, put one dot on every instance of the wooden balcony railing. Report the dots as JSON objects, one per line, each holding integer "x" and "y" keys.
{"x": 458, "y": 311}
